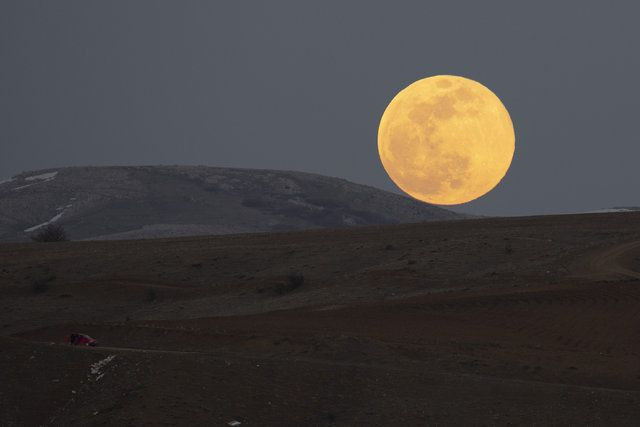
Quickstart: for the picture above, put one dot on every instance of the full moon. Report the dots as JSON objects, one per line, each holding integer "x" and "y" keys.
{"x": 446, "y": 140}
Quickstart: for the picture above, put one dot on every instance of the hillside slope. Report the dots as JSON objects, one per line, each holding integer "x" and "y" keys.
{"x": 164, "y": 201}
{"x": 500, "y": 321}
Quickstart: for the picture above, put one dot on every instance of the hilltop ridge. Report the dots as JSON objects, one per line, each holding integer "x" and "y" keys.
{"x": 163, "y": 201}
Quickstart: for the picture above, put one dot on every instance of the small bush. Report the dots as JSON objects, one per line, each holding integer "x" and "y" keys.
{"x": 151, "y": 295}
{"x": 254, "y": 203}
{"x": 41, "y": 279}
{"x": 39, "y": 286}
{"x": 50, "y": 233}
{"x": 41, "y": 282}
{"x": 294, "y": 281}
{"x": 507, "y": 248}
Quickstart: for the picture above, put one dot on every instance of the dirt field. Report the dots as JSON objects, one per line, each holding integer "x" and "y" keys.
{"x": 531, "y": 321}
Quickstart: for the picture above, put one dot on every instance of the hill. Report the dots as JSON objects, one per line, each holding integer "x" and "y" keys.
{"x": 500, "y": 321}
{"x": 165, "y": 201}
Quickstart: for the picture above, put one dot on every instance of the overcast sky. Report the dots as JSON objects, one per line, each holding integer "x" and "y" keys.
{"x": 301, "y": 85}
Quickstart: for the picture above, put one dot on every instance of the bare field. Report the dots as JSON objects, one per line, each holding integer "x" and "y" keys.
{"x": 478, "y": 322}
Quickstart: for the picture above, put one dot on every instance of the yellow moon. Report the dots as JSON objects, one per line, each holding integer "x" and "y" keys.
{"x": 446, "y": 140}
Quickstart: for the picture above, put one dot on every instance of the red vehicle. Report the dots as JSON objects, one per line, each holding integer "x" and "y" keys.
{"x": 81, "y": 339}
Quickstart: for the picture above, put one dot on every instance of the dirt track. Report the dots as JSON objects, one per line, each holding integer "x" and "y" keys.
{"x": 528, "y": 320}
{"x": 614, "y": 259}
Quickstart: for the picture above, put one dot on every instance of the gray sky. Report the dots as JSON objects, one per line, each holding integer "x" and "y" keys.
{"x": 302, "y": 85}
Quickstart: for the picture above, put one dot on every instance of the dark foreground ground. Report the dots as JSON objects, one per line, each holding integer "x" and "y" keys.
{"x": 481, "y": 322}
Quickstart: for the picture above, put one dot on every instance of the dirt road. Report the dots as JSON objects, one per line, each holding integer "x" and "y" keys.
{"x": 613, "y": 260}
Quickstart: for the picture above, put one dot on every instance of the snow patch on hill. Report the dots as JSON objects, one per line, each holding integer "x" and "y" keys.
{"x": 43, "y": 176}
{"x": 38, "y": 179}
{"x": 97, "y": 368}
{"x": 24, "y": 186}
{"x": 610, "y": 210}
{"x": 52, "y": 220}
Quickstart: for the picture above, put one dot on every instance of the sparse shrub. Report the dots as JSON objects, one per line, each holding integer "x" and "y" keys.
{"x": 294, "y": 281}
{"x": 389, "y": 247}
{"x": 507, "y": 248}
{"x": 50, "y": 233}
{"x": 330, "y": 418}
{"x": 41, "y": 284}
{"x": 151, "y": 295}
{"x": 254, "y": 202}
{"x": 41, "y": 279}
